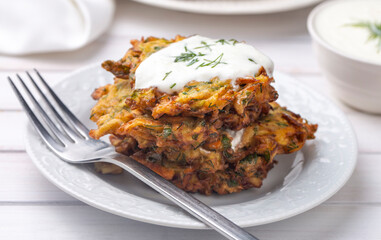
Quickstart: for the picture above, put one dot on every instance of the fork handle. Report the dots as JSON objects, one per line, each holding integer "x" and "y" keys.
{"x": 181, "y": 198}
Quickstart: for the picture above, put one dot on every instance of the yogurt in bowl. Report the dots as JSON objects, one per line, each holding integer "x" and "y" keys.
{"x": 347, "y": 42}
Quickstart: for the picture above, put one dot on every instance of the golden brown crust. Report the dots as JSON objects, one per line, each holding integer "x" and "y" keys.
{"x": 207, "y": 163}
{"x": 140, "y": 50}
{"x": 186, "y": 137}
{"x": 214, "y": 100}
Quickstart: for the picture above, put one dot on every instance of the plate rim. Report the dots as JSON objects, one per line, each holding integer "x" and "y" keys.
{"x": 198, "y": 225}
{"x": 249, "y": 7}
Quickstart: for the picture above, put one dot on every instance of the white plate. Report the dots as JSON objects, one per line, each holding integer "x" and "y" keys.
{"x": 230, "y": 7}
{"x": 298, "y": 183}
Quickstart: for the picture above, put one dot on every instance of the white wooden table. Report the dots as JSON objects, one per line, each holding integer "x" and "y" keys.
{"x": 32, "y": 208}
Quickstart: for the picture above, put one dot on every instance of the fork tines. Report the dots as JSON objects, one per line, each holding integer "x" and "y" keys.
{"x": 56, "y": 132}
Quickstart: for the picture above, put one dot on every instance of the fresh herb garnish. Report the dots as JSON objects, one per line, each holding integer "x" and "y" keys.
{"x": 374, "y": 30}
{"x": 225, "y": 141}
{"x": 172, "y": 85}
{"x": 210, "y": 163}
{"x": 250, "y": 159}
{"x": 267, "y": 156}
{"x": 191, "y": 86}
{"x": 226, "y": 154}
{"x": 251, "y": 60}
{"x": 240, "y": 172}
{"x": 213, "y": 63}
{"x": 292, "y": 146}
{"x": 181, "y": 159}
{"x": 232, "y": 183}
{"x": 202, "y": 143}
{"x": 167, "y": 132}
{"x": 185, "y": 57}
{"x": 258, "y": 174}
{"x": 152, "y": 126}
{"x": 166, "y": 75}
{"x": 255, "y": 130}
{"x": 280, "y": 124}
{"x": 194, "y": 136}
{"x": 212, "y": 105}
{"x": 192, "y": 62}
{"x": 222, "y": 41}
{"x": 205, "y": 45}
{"x": 233, "y": 41}
{"x": 188, "y": 56}
{"x": 181, "y": 124}
{"x": 213, "y": 135}
{"x": 152, "y": 159}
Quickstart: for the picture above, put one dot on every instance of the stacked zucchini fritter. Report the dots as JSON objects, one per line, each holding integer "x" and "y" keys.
{"x": 187, "y": 137}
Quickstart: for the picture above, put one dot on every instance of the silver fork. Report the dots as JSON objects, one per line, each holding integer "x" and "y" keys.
{"x": 69, "y": 140}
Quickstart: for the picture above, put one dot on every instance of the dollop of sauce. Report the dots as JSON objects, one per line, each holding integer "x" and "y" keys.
{"x": 347, "y": 26}
{"x": 237, "y": 137}
{"x": 201, "y": 59}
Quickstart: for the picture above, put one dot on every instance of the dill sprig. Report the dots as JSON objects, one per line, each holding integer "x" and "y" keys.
{"x": 205, "y": 45}
{"x": 374, "y": 30}
{"x": 166, "y": 75}
{"x": 187, "y": 56}
{"x": 223, "y": 41}
{"x": 213, "y": 63}
{"x": 234, "y": 41}
{"x": 194, "y": 60}
{"x": 252, "y": 60}
{"x": 190, "y": 57}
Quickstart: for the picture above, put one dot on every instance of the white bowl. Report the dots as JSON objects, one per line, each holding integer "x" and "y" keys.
{"x": 354, "y": 80}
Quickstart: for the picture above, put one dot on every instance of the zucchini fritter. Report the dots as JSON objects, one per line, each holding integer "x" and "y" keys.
{"x": 187, "y": 137}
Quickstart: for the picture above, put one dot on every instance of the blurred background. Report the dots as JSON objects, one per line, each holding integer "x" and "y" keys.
{"x": 133, "y": 20}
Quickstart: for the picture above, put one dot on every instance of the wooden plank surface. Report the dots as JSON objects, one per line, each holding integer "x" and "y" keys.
{"x": 339, "y": 222}
{"x": 20, "y": 181}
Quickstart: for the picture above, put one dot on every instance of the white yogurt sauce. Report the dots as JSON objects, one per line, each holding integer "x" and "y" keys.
{"x": 332, "y": 24}
{"x": 199, "y": 58}
{"x": 237, "y": 136}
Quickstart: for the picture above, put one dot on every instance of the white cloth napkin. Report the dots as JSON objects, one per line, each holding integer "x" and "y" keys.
{"x": 38, "y": 26}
